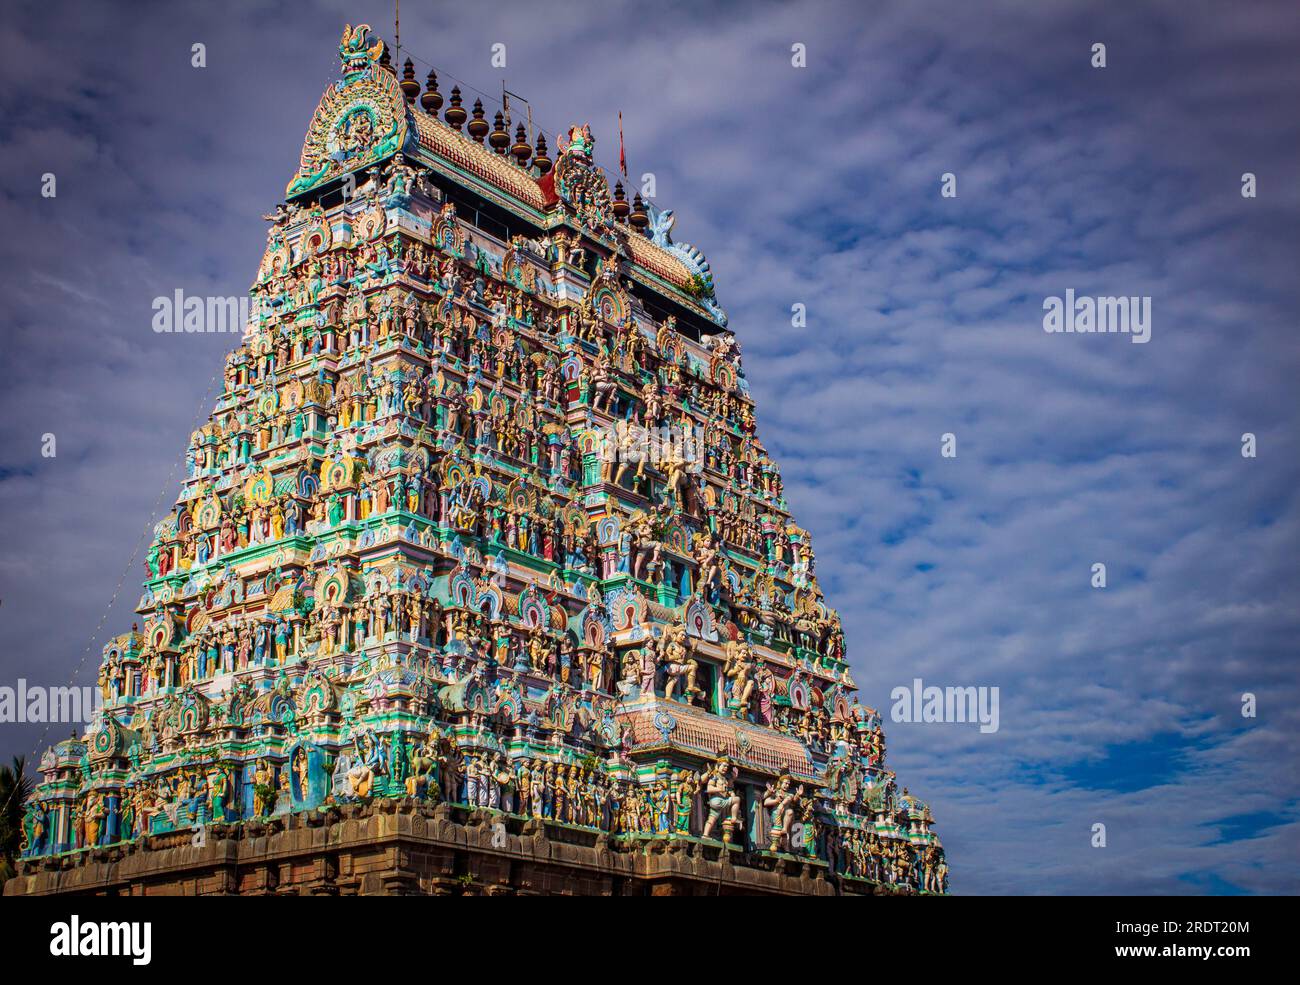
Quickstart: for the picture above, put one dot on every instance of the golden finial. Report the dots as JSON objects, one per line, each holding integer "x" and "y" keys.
{"x": 432, "y": 98}
{"x": 478, "y": 127}
{"x": 638, "y": 218}
{"x": 499, "y": 139}
{"x": 521, "y": 150}
{"x": 410, "y": 88}
{"x": 455, "y": 114}
{"x": 540, "y": 160}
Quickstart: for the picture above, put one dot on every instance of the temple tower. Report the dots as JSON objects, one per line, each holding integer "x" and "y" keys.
{"x": 479, "y": 562}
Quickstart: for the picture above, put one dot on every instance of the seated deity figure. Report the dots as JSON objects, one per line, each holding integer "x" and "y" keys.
{"x": 368, "y": 763}
{"x": 340, "y": 786}
{"x": 360, "y": 778}
{"x": 630, "y": 668}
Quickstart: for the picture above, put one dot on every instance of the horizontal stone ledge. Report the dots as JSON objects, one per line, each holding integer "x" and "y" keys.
{"x": 423, "y": 848}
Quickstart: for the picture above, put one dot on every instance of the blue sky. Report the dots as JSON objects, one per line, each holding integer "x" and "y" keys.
{"x": 816, "y": 186}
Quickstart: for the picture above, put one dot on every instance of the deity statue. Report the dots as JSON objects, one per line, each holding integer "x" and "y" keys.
{"x": 781, "y": 802}
{"x": 264, "y": 793}
{"x": 724, "y": 802}
{"x": 676, "y": 660}
{"x": 738, "y": 669}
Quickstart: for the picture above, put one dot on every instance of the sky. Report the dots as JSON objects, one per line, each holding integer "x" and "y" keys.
{"x": 818, "y": 186}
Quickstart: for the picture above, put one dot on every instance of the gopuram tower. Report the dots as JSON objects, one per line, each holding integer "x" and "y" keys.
{"x": 480, "y": 580}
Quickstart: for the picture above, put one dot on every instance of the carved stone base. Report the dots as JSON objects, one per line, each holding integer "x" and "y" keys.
{"x": 398, "y": 848}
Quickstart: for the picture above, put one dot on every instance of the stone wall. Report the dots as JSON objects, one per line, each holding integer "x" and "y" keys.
{"x": 390, "y": 847}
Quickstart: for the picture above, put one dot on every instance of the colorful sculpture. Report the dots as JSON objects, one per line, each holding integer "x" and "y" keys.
{"x": 482, "y": 522}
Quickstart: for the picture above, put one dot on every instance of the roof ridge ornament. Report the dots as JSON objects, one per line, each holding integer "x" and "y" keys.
{"x": 355, "y": 51}
{"x": 360, "y": 121}
{"x": 579, "y": 142}
{"x": 581, "y": 185}
{"x": 661, "y": 223}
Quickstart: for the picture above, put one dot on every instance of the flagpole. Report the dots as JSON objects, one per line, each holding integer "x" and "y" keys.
{"x": 622, "y": 153}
